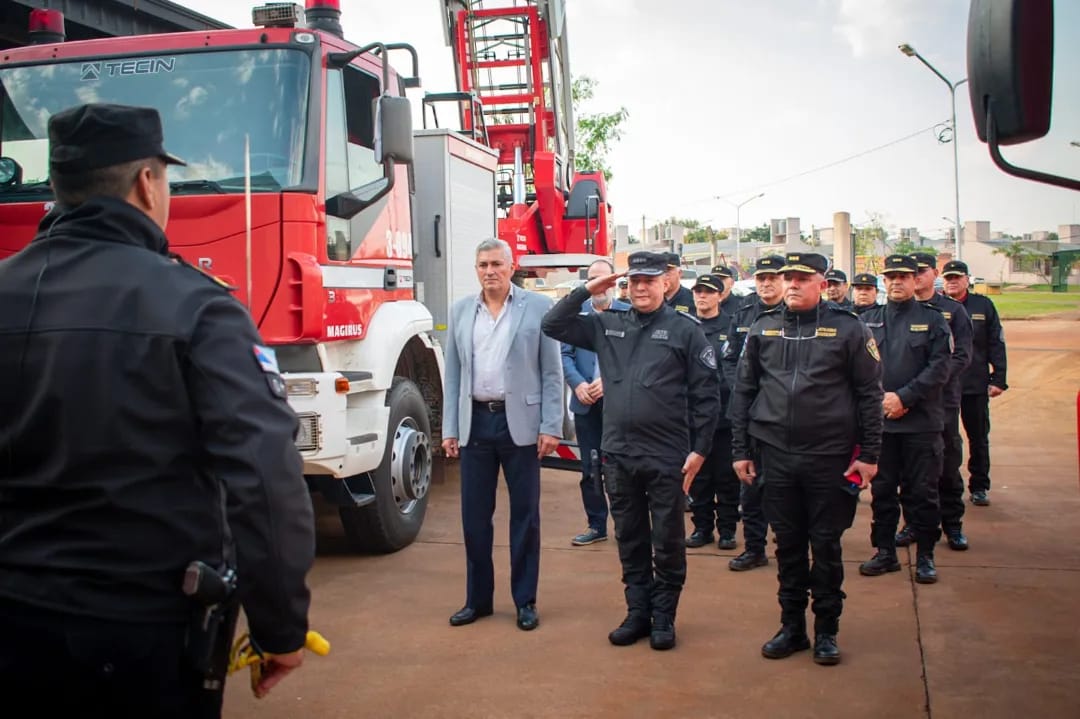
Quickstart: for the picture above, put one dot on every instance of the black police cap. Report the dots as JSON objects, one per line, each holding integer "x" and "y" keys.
{"x": 955, "y": 267}
{"x": 96, "y": 135}
{"x": 672, "y": 259}
{"x": 711, "y": 282}
{"x": 769, "y": 264}
{"x": 900, "y": 263}
{"x": 864, "y": 279}
{"x": 722, "y": 271}
{"x": 836, "y": 276}
{"x": 924, "y": 259}
{"x": 647, "y": 263}
{"x": 809, "y": 262}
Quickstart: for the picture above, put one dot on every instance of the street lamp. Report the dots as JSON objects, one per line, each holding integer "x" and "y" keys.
{"x": 912, "y": 52}
{"x": 738, "y": 225}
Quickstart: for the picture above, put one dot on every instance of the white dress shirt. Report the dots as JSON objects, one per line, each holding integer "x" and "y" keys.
{"x": 491, "y": 344}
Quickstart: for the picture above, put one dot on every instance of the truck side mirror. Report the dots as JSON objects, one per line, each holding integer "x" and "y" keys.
{"x": 1010, "y": 54}
{"x": 393, "y": 130}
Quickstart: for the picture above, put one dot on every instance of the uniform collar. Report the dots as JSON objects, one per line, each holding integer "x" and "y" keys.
{"x": 104, "y": 219}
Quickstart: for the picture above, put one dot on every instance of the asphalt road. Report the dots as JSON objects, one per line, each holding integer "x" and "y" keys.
{"x": 997, "y": 636}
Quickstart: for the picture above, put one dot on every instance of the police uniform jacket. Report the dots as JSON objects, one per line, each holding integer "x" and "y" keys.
{"x": 716, "y": 329}
{"x": 730, "y": 305}
{"x": 809, "y": 383}
{"x": 987, "y": 346}
{"x": 860, "y": 309}
{"x": 845, "y": 304}
{"x": 916, "y": 348}
{"x": 683, "y": 301}
{"x": 740, "y": 325}
{"x": 658, "y": 370}
{"x": 137, "y": 404}
{"x": 960, "y": 326}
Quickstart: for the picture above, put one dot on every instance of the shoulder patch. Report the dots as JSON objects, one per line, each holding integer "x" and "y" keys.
{"x": 266, "y": 358}
{"x": 708, "y": 357}
{"x": 203, "y": 273}
{"x": 872, "y": 350}
{"x": 684, "y": 311}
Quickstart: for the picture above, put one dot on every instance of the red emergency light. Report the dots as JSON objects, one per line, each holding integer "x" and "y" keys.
{"x": 324, "y": 15}
{"x": 46, "y": 26}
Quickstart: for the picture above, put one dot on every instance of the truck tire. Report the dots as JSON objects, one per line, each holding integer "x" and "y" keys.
{"x": 401, "y": 481}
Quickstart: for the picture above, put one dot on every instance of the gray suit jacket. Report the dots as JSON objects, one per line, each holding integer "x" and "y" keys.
{"x": 534, "y": 376}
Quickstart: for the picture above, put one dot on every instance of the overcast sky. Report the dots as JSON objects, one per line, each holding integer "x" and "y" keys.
{"x": 728, "y": 97}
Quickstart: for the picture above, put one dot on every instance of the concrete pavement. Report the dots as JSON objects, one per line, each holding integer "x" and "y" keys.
{"x": 996, "y": 637}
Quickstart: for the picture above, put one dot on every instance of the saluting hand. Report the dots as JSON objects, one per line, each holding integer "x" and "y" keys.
{"x": 604, "y": 283}
{"x": 690, "y": 468}
{"x": 745, "y": 470}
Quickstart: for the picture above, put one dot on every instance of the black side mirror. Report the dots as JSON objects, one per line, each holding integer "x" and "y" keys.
{"x": 393, "y": 130}
{"x": 1010, "y": 57}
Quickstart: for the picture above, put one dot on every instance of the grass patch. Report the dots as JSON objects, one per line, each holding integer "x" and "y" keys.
{"x": 1026, "y": 305}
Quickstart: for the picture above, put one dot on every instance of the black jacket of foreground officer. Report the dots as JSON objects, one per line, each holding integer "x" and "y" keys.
{"x": 658, "y": 370}
{"x": 808, "y": 394}
{"x": 142, "y": 427}
{"x": 916, "y": 349}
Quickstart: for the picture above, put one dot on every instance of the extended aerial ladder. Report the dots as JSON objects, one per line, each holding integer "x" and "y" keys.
{"x": 514, "y": 94}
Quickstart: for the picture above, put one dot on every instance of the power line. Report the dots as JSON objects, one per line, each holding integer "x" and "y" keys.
{"x": 832, "y": 164}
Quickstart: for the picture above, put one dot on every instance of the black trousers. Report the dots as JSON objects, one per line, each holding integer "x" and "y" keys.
{"x": 647, "y": 505}
{"x": 912, "y": 464}
{"x": 590, "y": 430}
{"x": 491, "y": 447}
{"x": 755, "y": 527}
{"x": 806, "y": 503}
{"x": 68, "y": 665}
{"x": 975, "y": 411}
{"x": 951, "y": 483}
{"x": 714, "y": 493}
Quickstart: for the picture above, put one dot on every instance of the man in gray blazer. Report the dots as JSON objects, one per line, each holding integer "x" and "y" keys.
{"x": 502, "y": 408}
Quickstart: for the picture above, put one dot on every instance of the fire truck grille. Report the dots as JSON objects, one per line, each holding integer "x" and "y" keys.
{"x": 308, "y": 438}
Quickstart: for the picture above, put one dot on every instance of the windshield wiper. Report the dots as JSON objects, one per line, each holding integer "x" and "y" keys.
{"x": 187, "y": 185}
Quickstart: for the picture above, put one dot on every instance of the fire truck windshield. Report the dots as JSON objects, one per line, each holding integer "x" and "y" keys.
{"x": 208, "y": 100}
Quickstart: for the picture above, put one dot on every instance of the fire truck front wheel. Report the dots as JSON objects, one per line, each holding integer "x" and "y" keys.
{"x": 401, "y": 481}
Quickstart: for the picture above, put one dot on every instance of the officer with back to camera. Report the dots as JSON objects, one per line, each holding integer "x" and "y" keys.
{"x": 864, "y": 292}
{"x": 143, "y": 426}
{"x": 916, "y": 348}
{"x": 659, "y": 372}
{"x": 951, "y": 483}
{"x": 808, "y": 394}
{"x": 770, "y": 294}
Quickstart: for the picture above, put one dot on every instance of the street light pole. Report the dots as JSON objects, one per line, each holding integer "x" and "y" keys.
{"x": 912, "y": 52}
{"x": 738, "y": 225}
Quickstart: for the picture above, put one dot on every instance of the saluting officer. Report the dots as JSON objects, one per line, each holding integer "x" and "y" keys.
{"x": 143, "y": 427}
{"x": 916, "y": 348}
{"x": 984, "y": 378}
{"x": 864, "y": 292}
{"x": 836, "y": 289}
{"x": 714, "y": 495}
{"x": 675, "y": 295}
{"x": 770, "y": 290}
{"x": 659, "y": 372}
{"x": 951, "y": 484}
{"x": 808, "y": 394}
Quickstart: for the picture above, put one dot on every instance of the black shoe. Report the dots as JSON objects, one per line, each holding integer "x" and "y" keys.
{"x": 748, "y": 560}
{"x": 468, "y": 615}
{"x": 925, "y": 571}
{"x": 632, "y": 628}
{"x": 662, "y": 636}
{"x": 882, "y": 562}
{"x": 698, "y": 538}
{"x": 905, "y": 537}
{"x": 528, "y": 619}
{"x": 825, "y": 650}
{"x": 787, "y": 641}
{"x": 957, "y": 541}
{"x": 980, "y": 498}
{"x": 726, "y": 541}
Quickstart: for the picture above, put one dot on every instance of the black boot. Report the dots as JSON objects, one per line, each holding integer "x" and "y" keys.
{"x": 699, "y": 538}
{"x": 790, "y": 639}
{"x": 925, "y": 571}
{"x": 748, "y": 560}
{"x": 634, "y": 627}
{"x": 882, "y": 562}
{"x": 905, "y": 537}
{"x": 825, "y": 649}
{"x": 957, "y": 541}
{"x": 662, "y": 636}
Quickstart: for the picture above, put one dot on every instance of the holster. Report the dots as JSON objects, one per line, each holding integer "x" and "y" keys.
{"x": 214, "y": 611}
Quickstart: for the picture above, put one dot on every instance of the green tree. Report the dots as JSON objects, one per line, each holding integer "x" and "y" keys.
{"x": 871, "y": 237}
{"x": 907, "y": 246}
{"x": 760, "y": 234}
{"x": 594, "y": 133}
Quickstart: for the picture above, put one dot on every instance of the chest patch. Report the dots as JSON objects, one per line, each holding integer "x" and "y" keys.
{"x": 770, "y": 333}
{"x": 614, "y": 333}
{"x": 826, "y": 331}
{"x": 659, "y": 334}
{"x": 948, "y": 315}
{"x": 919, "y": 328}
{"x": 979, "y": 316}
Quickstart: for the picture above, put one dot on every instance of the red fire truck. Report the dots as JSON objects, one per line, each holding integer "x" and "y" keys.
{"x": 346, "y": 236}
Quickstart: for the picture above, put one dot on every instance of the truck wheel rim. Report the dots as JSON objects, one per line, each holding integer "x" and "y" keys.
{"x": 410, "y": 465}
